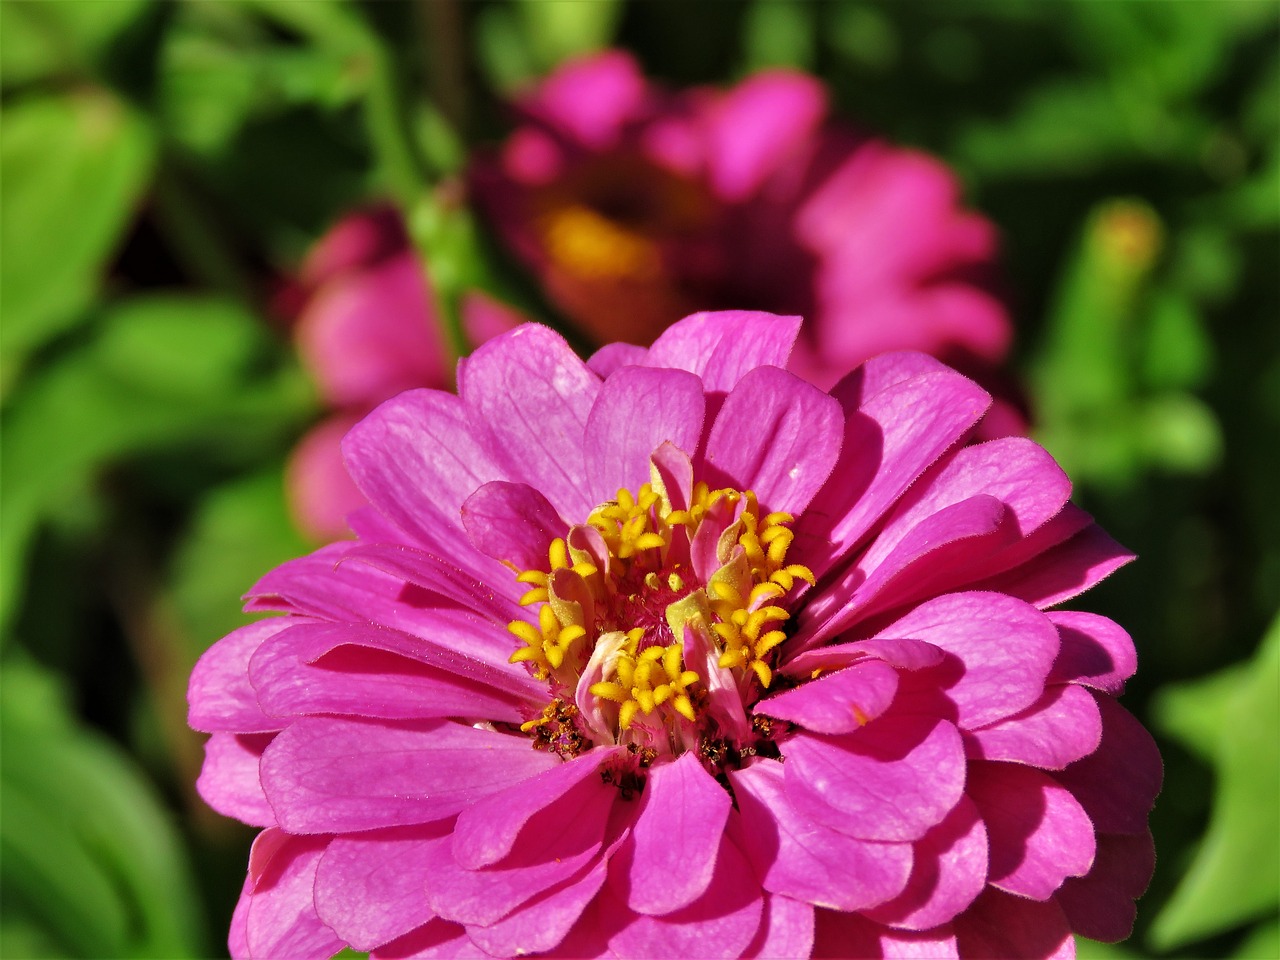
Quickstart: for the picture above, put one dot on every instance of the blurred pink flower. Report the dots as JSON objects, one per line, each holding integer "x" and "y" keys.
{"x": 635, "y": 205}
{"x": 786, "y": 679}
{"x": 366, "y": 328}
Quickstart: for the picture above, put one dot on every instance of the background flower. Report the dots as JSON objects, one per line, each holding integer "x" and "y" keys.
{"x": 787, "y": 688}
{"x": 635, "y": 204}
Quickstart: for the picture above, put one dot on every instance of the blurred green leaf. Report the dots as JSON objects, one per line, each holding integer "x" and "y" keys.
{"x": 1235, "y": 876}
{"x": 559, "y": 29}
{"x": 246, "y": 520}
{"x": 39, "y": 39}
{"x": 779, "y": 33}
{"x": 89, "y": 855}
{"x": 1262, "y": 941}
{"x": 163, "y": 371}
{"x": 1178, "y": 352}
{"x": 73, "y": 169}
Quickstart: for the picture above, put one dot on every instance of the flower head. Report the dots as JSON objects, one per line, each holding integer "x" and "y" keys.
{"x": 366, "y": 327}
{"x": 635, "y": 205}
{"x": 672, "y": 653}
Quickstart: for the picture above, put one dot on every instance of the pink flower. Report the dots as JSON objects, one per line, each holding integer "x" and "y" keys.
{"x": 673, "y": 654}
{"x": 366, "y": 327}
{"x": 635, "y": 205}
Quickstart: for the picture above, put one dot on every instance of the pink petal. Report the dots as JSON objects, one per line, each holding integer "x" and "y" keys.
{"x": 757, "y": 126}
{"x": 902, "y": 412}
{"x": 567, "y": 846}
{"x": 435, "y": 940}
{"x": 591, "y": 98}
{"x": 237, "y": 935}
{"x": 1100, "y": 905}
{"x": 671, "y": 855}
{"x": 450, "y": 584}
{"x": 534, "y": 394}
{"x": 1005, "y": 649}
{"x": 336, "y": 776}
{"x": 847, "y": 935}
{"x": 489, "y": 830}
{"x": 417, "y": 458}
{"x": 1096, "y": 652}
{"x": 786, "y": 930}
{"x": 807, "y": 861}
{"x": 722, "y": 347}
{"x": 839, "y": 702}
{"x": 543, "y": 923}
{"x": 1001, "y": 925}
{"x": 484, "y": 318}
{"x": 512, "y": 523}
{"x": 950, "y": 870}
{"x": 903, "y": 654}
{"x": 326, "y": 669}
{"x": 371, "y": 887}
{"x": 613, "y": 356}
{"x": 1117, "y": 784}
{"x": 639, "y": 409}
{"x": 776, "y": 435}
{"x": 282, "y": 919}
{"x": 219, "y": 691}
{"x": 1060, "y": 728}
{"x": 892, "y": 780}
{"x": 720, "y": 923}
{"x": 321, "y": 492}
{"x": 1039, "y": 834}
{"x": 1064, "y": 571}
{"x": 229, "y": 780}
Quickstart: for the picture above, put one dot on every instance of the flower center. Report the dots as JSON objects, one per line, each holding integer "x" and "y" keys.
{"x": 657, "y": 622}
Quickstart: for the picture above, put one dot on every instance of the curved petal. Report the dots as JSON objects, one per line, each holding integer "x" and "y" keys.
{"x": 371, "y": 887}
{"x": 720, "y": 923}
{"x": 1096, "y": 652}
{"x": 776, "y": 435}
{"x": 1059, "y": 729}
{"x": 1063, "y": 571}
{"x": 533, "y": 395}
{"x": 512, "y": 523}
{"x": 614, "y": 356}
{"x": 229, "y": 780}
{"x": 488, "y": 831}
{"x": 724, "y": 346}
{"x": 336, "y": 776}
{"x": 807, "y": 861}
{"x": 786, "y": 930}
{"x": 435, "y": 940}
{"x": 591, "y": 98}
{"x": 1117, "y": 784}
{"x": 839, "y": 702}
{"x": 321, "y": 493}
{"x": 637, "y": 410}
{"x": 1005, "y": 648}
{"x": 847, "y": 935}
{"x": 417, "y": 458}
{"x": 893, "y": 780}
{"x": 1001, "y": 925}
{"x": 950, "y": 870}
{"x": 219, "y": 691}
{"x": 670, "y": 857}
{"x": 1039, "y": 834}
{"x": 1100, "y": 905}
{"x": 281, "y": 919}
{"x": 327, "y": 669}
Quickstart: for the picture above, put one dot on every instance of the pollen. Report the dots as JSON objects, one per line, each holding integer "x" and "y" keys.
{"x": 614, "y": 601}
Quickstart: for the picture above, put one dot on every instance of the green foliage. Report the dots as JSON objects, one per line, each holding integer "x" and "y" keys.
{"x": 73, "y": 167}
{"x": 1230, "y": 720}
{"x": 91, "y": 864}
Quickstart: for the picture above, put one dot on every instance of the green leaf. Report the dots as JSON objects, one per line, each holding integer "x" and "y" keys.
{"x": 38, "y": 40}
{"x": 559, "y": 29}
{"x": 1235, "y": 875}
{"x": 89, "y": 855}
{"x": 779, "y": 33}
{"x": 73, "y": 169}
{"x": 163, "y": 373}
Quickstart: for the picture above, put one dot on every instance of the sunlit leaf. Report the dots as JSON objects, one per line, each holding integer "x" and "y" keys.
{"x": 39, "y": 40}
{"x": 73, "y": 169}
{"x": 1235, "y": 876}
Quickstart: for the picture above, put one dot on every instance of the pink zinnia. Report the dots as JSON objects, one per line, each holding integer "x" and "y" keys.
{"x": 635, "y": 205}
{"x": 365, "y": 323}
{"x": 673, "y": 654}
